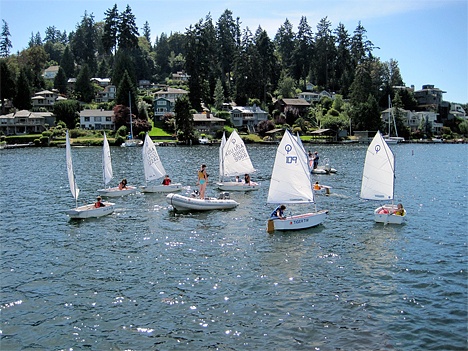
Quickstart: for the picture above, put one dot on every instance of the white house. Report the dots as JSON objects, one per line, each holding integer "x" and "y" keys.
{"x": 24, "y": 121}
{"x": 97, "y": 119}
{"x": 312, "y": 97}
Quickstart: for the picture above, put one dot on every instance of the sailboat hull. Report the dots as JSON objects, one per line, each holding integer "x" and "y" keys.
{"x": 237, "y": 186}
{"x": 161, "y": 188}
{"x": 185, "y": 203}
{"x": 384, "y": 214}
{"x": 89, "y": 211}
{"x": 303, "y": 221}
{"x": 116, "y": 192}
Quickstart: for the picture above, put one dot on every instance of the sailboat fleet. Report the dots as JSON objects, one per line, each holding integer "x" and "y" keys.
{"x": 291, "y": 188}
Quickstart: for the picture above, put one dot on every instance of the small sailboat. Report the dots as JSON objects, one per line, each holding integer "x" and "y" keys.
{"x": 389, "y": 139}
{"x": 234, "y": 160}
{"x": 154, "y": 169}
{"x": 108, "y": 174}
{"x": 291, "y": 184}
{"x": 86, "y": 211}
{"x": 378, "y": 180}
{"x": 131, "y": 142}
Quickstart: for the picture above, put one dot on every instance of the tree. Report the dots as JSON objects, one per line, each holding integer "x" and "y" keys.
{"x": 147, "y": 32}
{"x": 61, "y": 81}
{"x": 361, "y": 48}
{"x": 284, "y": 41}
{"x": 344, "y": 68}
{"x": 68, "y": 112}
{"x": 83, "y": 86}
{"x": 22, "y": 99}
{"x": 303, "y": 52}
{"x": 128, "y": 32}
{"x": 325, "y": 54}
{"x": 219, "y": 95}
{"x": 124, "y": 89}
{"x": 7, "y": 84}
{"x": 68, "y": 63}
{"x": 83, "y": 43}
{"x": 5, "y": 42}
{"x": 183, "y": 119}
{"x": 111, "y": 25}
{"x": 226, "y": 33}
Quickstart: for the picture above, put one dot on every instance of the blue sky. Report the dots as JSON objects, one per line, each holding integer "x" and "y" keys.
{"x": 428, "y": 38}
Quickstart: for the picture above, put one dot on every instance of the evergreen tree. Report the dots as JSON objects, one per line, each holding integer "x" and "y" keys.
{"x": 67, "y": 63}
{"x": 284, "y": 41}
{"x": 344, "y": 69}
{"x": 103, "y": 69}
{"x": 325, "y": 55}
{"x": 61, "y": 81}
{"x": 22, "y": 99}
{"x": 7, "y": 83}
{"x": 111, "y": 27}
{"x": 83, "y": 43}
{"x": 183, "y": 119}
{"x": 126, "y": 90}
{"x": 128, "y": 32}
{"x": 303, "y": 51}
{"x": 83, "y": 86}
{"x": 147, "y": 32}
{"x": 219, "y": 95}
{"x": 266, "y": 64}
{"x": 226, "y": 31}
{"x": 5, "y": 42}
{"x": 123, "y": 63}
{"x": 161, "y": 52}
{"x": 361, "y": 48}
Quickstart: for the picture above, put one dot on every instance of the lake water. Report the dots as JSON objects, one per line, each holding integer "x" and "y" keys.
{"x": 147, "y": 278}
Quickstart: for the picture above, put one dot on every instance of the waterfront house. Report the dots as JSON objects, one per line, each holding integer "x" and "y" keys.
{"x": 25, "y": 122}
{"x": 247, "y": 116}
{"x": 50, "y": 72}
{"x": 312, "y": 97}
{"x": 97, "y": 119}
{"x": 206, "y": 123}
{"x": 106, "y": 95}
{"x": 300, "y": 104}
{"x": 164, "y": 101}
{"x": 45, "y": 99}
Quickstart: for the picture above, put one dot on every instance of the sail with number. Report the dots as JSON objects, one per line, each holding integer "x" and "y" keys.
{"x": 236, "y": 159}
{"x": 290, "y": 178}
{"x": 378, "y": 177}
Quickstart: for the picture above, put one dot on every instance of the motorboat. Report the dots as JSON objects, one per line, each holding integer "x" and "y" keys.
{"x": 193, "y": 202}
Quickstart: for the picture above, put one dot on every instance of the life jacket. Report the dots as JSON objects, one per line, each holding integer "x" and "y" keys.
{"x": 166, "y": 182}
{"x": 201, "y": 175}
{"x": 274, "y": 215}
{"x": 316, "y": 187}
{"x": 98, "y": 204}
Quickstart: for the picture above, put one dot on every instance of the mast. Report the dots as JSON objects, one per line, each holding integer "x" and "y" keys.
{"x": 131, "y": 121}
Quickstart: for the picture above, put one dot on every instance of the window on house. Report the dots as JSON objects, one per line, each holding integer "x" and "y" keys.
{"x": 108, "y": 119}
{"x": 86, "y": 119}
{"x": 97, "y": 119}
{"x": 161, "y": 102}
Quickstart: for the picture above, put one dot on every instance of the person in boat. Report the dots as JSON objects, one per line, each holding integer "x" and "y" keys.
{"x": 247, "y": 179}
{"x": 99, "y": 202}
{"x": 400, "y": 211}
{"x": 202, "y": 180}
{"x": 238, "y": 180}
{"x": 278, "y": 213}
{"x": 315, "y": 159}
{"x": 166, "y": 180}
{"x": 317, "y": 186}
{"x": 123, "y": 184}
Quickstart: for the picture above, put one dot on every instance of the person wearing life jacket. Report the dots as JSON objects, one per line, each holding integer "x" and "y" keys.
{"x": 278, "y": 213}
{"x": 202, "y": 180}
{"x": 317, "y": 186}
{"x": 98, "y": 202}
{"x": 167, "y": 180}
{"x": 400, "y": 211}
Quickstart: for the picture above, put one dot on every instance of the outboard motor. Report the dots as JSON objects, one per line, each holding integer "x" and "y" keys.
{"x": 223, "y": 196}
{"x": 195, "y": 194}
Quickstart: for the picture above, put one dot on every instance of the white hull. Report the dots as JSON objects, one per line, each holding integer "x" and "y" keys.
{"x": 303, "y": 221}
{"x": 384, "y": 214}
{"x": 185, "y": 203}
{"x": 161, "y": 188}
{"x": 116, "y": 192}
{"x": 89, "y": 211}
{"x": 323, "y": 170}
{"x": 237, "y": 186}
{"x": 132, "y": 143}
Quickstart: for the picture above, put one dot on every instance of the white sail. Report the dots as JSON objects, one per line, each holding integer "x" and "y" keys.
{"x": 236, "y": 159}
{"x": 71, "y": 174}
{"x": 152, "y": 164}
{"x": 221, "y": 157}
{"x": 290, "y": 179}
{"x": 106, "y": 161}
{"x": 379, "y": 173}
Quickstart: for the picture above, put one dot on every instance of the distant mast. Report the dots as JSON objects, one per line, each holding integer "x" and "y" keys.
{"x": 131, "y": 120}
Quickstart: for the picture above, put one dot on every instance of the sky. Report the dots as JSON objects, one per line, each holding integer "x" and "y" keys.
{"x": 428, "y": 38}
